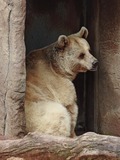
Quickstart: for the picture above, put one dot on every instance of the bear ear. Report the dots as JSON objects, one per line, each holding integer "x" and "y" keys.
{"x": 83, "y": 33}
{"x": 62, "y": 41}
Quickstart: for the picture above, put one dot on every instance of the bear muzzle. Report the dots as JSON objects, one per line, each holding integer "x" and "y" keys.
{"x": 94, "y": 65}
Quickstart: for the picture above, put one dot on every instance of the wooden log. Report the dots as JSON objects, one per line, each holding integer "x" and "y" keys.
{"x": 45, "y": 147}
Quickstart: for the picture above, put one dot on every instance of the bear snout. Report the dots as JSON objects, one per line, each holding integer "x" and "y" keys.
{"x": 94, "y": 65}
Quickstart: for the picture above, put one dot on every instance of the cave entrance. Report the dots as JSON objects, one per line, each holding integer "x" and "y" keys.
{"x": 45, "y": 21}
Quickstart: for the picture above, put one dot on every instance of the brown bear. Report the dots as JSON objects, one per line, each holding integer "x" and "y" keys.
{"x": 50, "y": 103}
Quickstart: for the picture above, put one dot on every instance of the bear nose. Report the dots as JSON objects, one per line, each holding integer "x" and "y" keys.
{"x": 95, "y": 64}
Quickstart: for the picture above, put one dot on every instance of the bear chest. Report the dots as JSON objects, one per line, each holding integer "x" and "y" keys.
{"x": 63, "y": 92}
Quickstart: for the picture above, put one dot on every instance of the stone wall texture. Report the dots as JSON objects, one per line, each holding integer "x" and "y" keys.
{"x": 12, "y": 67}
{"x": 109, "y": 68}
{"x": 103, "y": 91}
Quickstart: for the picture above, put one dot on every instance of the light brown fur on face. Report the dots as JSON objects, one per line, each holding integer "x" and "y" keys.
{"x": 50, "y": 103}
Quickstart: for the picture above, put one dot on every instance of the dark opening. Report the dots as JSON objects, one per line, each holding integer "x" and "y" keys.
{"x": 45, "y": 21}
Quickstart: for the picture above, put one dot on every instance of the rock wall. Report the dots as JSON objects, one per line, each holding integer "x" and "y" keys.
{"x": 12, "y": 67}
{"x": 103, "y": 87}
{"x": 109, "y": 67}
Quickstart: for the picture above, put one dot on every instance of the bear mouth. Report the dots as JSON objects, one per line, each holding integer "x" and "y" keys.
{"x": 94, "y": 68}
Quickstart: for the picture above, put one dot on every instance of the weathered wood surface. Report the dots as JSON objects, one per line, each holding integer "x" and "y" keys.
{"x": 45, "y": 147}
{"x": 12, "y": 67}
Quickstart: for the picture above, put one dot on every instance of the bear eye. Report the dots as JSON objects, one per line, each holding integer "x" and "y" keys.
{"x": 81, "y": 56}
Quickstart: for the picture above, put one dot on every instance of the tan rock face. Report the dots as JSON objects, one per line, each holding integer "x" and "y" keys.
{"x": 104, "y": 37}
{"x": 109, "y": 68}
{"x": 12, "y": 67}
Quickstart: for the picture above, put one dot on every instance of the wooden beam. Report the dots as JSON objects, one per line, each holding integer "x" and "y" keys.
{"x": 45, "y": 147}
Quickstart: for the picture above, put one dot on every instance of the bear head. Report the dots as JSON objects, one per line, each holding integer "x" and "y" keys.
{"x": 72, "y": 54}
